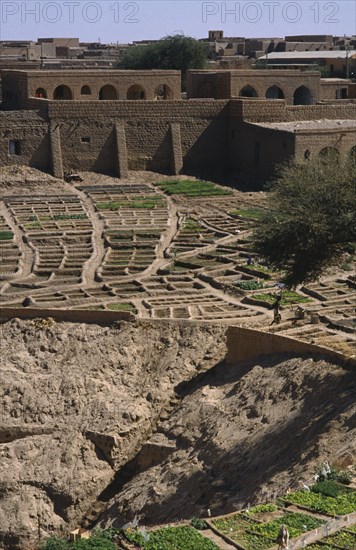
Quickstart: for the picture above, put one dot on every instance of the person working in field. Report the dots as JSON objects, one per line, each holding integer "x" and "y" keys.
{"x": 283, "y": 538}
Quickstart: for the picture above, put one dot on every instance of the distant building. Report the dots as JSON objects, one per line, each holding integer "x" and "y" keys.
{"x": 335, "y": 63}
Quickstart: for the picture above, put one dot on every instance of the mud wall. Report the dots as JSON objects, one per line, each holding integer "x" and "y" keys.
{"x": 148, "y": 136}
{"x": 244, "y": 344}
{"x": 68, "y": 315}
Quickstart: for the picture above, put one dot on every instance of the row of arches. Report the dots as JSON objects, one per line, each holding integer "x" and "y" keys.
{"x": 106, "y": 92}
{"x": 331, "y": 154}
{"x": 301, "y": 96}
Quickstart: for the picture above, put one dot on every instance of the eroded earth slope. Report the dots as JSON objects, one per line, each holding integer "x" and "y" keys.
{"x": 154, "y": 404}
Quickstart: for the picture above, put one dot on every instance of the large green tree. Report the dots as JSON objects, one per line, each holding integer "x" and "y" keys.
{"x": 172, "y": 52}
{"x": 311, "y": 220}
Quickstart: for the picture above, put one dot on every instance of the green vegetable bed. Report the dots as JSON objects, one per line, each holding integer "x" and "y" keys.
{"x": 251, "y": 541}
{"x": 317, "y": 502}
{"x": 6, "y": 235}
{"x": 288, "y": 297}
{"x": 342, "y": 539}
{"x": 192, "y": 188}
{"x": 248, "y": 213}
{"x": 297, "y": 524}
{"x": 230, "y": 524}
{"x": 173, "y": 538}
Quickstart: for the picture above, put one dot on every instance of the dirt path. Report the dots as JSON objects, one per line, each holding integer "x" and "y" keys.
{"x": 165, "y": 242}
{"x": 95, "y": 260}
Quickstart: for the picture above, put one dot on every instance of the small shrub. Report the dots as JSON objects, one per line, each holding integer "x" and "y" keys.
{"x": 329, "y": 488}
{"x": 198, "y": 523}
{"x": 54, "y": 543}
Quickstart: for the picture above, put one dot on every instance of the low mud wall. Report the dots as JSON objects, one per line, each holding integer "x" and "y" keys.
{"x": 244, "y": 344}
{"x": 68, "y": 315}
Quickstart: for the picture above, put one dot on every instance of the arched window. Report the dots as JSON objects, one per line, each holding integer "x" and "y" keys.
{"x": 307, "y": 154}
{"x": 62, "y": 92}
{"x": 85, "y": 90}
{"x": 329, "y": 155}
{"x": 248, "y": 91}
{"x": 302, "y": 96}
{"x": 136, "y": 92}
{"x": 41, "y": 92}
{"x": 163, "y": 92}
{"x": 274, "y": 92}
{"x": 107, "y": 92}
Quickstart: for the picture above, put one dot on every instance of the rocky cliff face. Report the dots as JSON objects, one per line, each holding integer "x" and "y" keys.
{"x": 77, "y": 402}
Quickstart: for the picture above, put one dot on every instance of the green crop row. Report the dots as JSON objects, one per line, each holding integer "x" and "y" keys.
{"x": 192, "y": 188}
{"x": 172, "y": 538}
{"x": 6, "y": 235}
{"x": 317, "y": 502}
{"x": 248, "y": 213}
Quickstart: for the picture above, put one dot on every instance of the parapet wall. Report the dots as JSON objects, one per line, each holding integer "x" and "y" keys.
{"x": 256, "y": 110}
{"x": 244, "y": 344}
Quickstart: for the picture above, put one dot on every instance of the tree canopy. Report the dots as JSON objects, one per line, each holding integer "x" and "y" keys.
{"x": 311, "y": 220}
{"x": 172, "y": 52}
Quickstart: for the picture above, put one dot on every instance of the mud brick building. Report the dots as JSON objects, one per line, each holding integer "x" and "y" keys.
{"x": 114, "y": 121}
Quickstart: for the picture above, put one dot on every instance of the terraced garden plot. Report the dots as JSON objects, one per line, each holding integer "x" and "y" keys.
{"x": 227, "y": 224}
{"x": 192, "y": 235}
{"x": 194, "y": 304}
{"x": 328, "y": 292}
{"x": 134, "y": 218}
{"x": 259, "y": 527}
{"x": 58, "y": 230}
{"x": 108, "y": 190}
{"x": 317, "y": 502}
{"x": 289, "y": 298}
{"x": 10, "y": 253}
{"x": 248, "y": 213}
{"x": 127, "y": 252}
{"x": 342, "y": 539}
